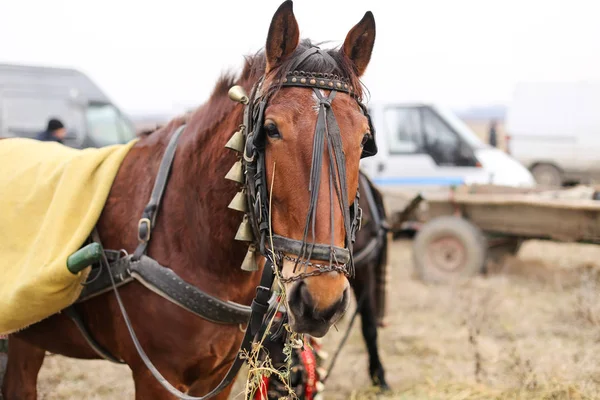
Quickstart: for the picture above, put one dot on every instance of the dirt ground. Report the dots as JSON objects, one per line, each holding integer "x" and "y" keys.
{"x": 529, "y": 330}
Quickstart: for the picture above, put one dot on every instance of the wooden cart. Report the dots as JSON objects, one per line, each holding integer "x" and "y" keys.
{"x": 462, "y": 230}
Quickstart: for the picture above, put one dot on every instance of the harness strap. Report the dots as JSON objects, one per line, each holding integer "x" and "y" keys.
{"x": 260, "y": 306}
{"x": 372, "y": 205}
{"x": 166, "y": 283}
{"x": 147, "y": 222}
{"x": 72, "y": 313}
{"x": 319, "y": 251}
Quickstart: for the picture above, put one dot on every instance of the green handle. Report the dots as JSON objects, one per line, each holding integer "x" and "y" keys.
{"x": 84, "y": 257}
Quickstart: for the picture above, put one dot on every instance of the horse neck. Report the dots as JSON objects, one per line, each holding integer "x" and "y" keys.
{"x": 200, "y": 226}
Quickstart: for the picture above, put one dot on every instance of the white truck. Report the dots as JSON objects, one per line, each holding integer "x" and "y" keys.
{"x": 553, "y": 129}
{"x": 425, "y": 147}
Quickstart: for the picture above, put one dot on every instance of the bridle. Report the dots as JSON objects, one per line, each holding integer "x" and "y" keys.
{"x": 327, "y": 137}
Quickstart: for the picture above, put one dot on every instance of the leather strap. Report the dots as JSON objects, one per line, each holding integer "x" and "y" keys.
{"x": 371, "y": 203}
{"x": 166, "y": 283}
{"x": 260, "y": 306}
{"x": 148, "y": 220}
{"x": 72, "y": 313}
{"x": 320, "y": 252}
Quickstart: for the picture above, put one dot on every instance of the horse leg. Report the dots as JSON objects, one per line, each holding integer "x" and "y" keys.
{"x": 24, "y": 363}
{"x": 148, "y": 388}
{"x": 363, "y": 292}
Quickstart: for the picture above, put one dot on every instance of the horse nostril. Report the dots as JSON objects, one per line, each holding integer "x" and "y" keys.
{"x": 305, "y": 294}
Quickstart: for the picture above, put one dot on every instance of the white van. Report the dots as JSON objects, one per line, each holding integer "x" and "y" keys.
{"x": 554, "y": 130}
{"x": 424, "y": 147}
{"x": 30, "y": 95}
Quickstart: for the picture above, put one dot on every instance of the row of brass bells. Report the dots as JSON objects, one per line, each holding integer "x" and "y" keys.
{"x": 244, "y": 234}
{"x": 236, "y": 174}
{"x": 236, "y": 142}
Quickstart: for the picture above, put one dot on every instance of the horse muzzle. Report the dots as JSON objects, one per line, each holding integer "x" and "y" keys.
{"x": 304, "y": 314}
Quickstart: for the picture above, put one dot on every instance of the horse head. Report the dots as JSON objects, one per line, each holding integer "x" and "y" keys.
{"x": 305, "y": 131}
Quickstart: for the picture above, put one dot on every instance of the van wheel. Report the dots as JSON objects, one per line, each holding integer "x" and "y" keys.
{"x": 547, "y": 175}
{"x": 449, "y": 249}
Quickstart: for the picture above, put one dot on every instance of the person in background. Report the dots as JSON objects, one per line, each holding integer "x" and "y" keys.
{"x": 55, "y": 132}
{"x": 493, "y": 135}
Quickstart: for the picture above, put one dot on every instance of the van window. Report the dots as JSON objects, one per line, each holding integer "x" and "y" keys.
{"x": 107, "y": 126}
{"x": 403, "y": 130}
{"x": 26, "y": 116}
{"x": 443, "y": 144}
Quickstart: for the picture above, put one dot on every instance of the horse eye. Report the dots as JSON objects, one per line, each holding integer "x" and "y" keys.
{"x": 365, "y": 139}
{"x": 272, "y": 130}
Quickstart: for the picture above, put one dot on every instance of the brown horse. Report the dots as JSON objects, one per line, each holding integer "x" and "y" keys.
{"x": 194, "y": 232}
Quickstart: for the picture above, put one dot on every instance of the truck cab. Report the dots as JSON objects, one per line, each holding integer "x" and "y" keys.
{"x": 423, "y": 146}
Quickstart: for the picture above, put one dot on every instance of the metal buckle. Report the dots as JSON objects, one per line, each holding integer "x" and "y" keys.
{"x": 149, "y": 226}
{"x": 359, "y": 215}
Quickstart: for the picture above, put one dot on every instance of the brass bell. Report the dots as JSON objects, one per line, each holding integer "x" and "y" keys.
{"x": 244, "y": 232}
{"x": 236, "y": 143}
{"x": 239, "y": 202}
{"x": 250, "y": 263}
{"x": 237, "y": 93}
{"x": 236, "y": 173}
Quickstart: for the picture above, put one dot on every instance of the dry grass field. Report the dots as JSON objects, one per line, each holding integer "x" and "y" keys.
{"x": 529, "y": 330}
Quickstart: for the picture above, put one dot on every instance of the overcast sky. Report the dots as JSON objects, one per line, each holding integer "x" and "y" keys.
{"x": 164, "y": 56}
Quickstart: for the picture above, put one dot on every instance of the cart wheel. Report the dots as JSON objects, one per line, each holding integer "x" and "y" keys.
{"x": 447, "y": 249}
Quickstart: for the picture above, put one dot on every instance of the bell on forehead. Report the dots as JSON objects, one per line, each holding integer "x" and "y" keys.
{"x": 236, "y": 173}
{"x": 236, "y": 142}
{"x": 250, "y": 263}
{"x": 238, "y": 202}
{"x": 238, "y": 94}
{"x": 244, "y": 232}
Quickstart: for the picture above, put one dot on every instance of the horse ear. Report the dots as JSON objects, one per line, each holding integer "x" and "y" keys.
{"x": 359, "y": 42}
{"x": 284, "y": 35}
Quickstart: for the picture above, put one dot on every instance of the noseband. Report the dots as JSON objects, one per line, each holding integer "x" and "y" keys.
{"x": 328, "y": 138}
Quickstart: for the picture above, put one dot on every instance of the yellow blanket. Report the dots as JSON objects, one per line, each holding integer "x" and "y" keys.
{"x": 51, "y": 196}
